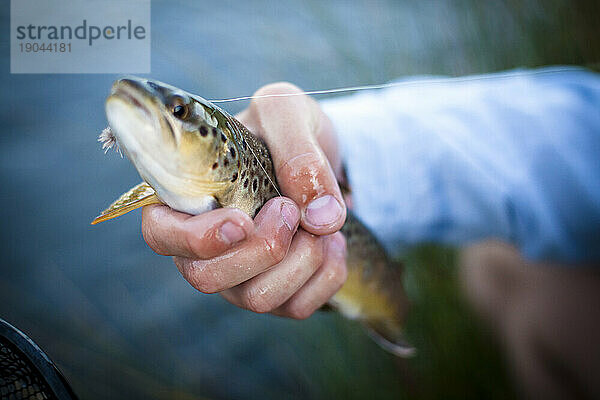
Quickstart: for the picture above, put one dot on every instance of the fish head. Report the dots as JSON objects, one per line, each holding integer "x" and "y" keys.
{"x": 177, "y": 141}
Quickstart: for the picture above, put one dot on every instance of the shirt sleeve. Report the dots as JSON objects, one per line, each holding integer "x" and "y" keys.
{"x": 513, "y": 156}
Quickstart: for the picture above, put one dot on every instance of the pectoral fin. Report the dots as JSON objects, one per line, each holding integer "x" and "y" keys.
{"x": 136, "y": 197}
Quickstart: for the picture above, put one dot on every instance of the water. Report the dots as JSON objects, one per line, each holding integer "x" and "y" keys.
{"x": 117, "y": 318}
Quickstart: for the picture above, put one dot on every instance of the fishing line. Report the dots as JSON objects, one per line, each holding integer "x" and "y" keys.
{"x": 265, "y": 171}
{"x": 234, "y": 129}
{"x": 430, "y": 81}
{"x": 497, "y": 75}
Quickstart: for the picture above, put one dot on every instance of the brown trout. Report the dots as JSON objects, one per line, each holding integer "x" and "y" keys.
{"x": 194, "y": 157}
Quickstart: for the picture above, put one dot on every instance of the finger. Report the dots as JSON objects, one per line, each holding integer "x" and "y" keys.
{"x": 204, "y": 236}
{"x": 272, "y": 288}
{"x": 275, "y": 226}
{"x": 328, "y": 279}
{"x": 289, "y": 126}
{"x": 325, "y": 136}
{"x": 327, "y": 139}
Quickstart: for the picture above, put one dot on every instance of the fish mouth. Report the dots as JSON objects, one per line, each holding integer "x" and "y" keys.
{"x": 141, "y": 125}
{"x": 143, "y": 95}
{"x": 134, "y": 92}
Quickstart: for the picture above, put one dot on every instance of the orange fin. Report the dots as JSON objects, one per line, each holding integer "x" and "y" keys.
{"x": 136, "y": 197}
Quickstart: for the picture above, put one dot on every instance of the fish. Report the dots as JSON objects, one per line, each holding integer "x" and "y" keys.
{"x": 194, "y": 157}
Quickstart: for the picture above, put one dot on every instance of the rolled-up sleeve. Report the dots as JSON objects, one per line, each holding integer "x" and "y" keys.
{"x": 514, "y": 156}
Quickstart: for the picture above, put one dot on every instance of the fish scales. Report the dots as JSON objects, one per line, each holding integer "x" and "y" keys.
{"x": 212, "y": 160}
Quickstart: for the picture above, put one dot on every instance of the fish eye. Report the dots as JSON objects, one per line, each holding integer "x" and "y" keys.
{"x": 180, "y": 111}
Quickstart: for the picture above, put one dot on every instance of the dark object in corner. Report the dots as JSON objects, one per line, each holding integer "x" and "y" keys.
{"x": 26, "y": 372}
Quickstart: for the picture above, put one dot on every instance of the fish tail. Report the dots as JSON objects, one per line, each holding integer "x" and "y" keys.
{"x": 388, "y": 335}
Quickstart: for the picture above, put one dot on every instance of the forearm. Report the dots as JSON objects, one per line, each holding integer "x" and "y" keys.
{"x": 513, "y": 158}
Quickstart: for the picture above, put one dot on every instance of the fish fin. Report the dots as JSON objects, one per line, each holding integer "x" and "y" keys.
{"x": 136, "y": 197}
{"x": 202, "y": 188}
{"x": 389, "y": 337}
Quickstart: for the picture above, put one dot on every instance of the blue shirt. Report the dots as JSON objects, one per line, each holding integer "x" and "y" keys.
{"x": 513, "y": 156}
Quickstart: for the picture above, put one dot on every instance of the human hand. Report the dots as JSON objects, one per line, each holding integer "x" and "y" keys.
{"x": 269, "y": 264}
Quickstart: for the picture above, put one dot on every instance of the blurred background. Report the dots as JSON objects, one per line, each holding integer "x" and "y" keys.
{"x": 120, "y": 321}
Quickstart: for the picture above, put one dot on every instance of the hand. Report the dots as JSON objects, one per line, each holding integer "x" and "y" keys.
{"x": 269, "y": 264}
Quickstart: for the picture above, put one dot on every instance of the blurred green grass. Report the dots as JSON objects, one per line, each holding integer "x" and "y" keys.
{"x": 457, "y": 358}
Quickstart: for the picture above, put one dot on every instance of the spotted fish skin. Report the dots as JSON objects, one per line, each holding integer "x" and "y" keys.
{"x": 254, "y": 181}
{"x": 373, "y": 291}
{"x": 205, "y": 158}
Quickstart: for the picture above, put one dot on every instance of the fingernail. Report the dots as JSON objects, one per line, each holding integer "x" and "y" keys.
{"x": 290, "y": 215}
{"x": 323, "y": 211}
{"x": 232, "y": 233}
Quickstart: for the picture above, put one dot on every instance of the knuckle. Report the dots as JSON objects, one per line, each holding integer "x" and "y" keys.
{"x": 278, "y": 88}
{"x": 299, "y": 311}
{"x": 311, "y": 248}
{"x": 337, "y": 268}
{"x": 200, "y": 278}
{"x": 150, "y": 238}
{"x": 337, "y": 273}
{"x": 207, "y": 287}
{"x": 275, "y": 250}
{"x": 304, "y": 167}
{"x": 254, "y": 301}
{"x": 341, "y": 274}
